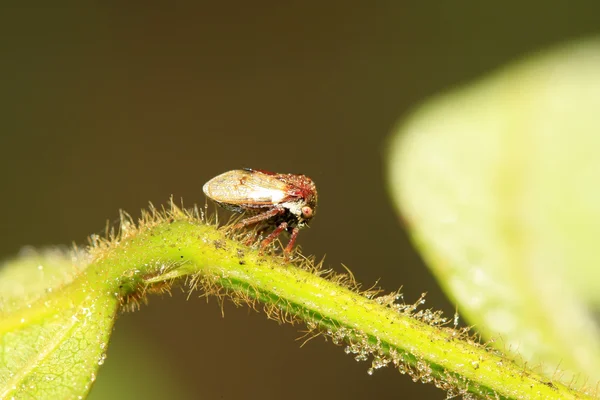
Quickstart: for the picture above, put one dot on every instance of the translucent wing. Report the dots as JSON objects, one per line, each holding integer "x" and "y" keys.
{"x": 247, "y": 187}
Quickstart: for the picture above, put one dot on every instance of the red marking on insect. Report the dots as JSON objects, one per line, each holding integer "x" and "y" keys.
{"x": 286, "y": 201}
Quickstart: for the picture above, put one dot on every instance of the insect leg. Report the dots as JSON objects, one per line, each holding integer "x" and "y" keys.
{"x": 258, "y": 218}
{"x": 290, "y": 245}
{"x": 283, "y": 226}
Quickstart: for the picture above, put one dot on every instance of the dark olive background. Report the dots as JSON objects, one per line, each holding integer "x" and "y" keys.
{"x": 106, "y": 106}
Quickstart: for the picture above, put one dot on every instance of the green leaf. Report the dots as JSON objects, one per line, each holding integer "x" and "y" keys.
{"x": 499, "y": 183}
{"x": 54, "y": 326}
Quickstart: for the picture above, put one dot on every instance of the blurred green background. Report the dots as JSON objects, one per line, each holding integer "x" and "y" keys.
{"x": 107, "y": 106}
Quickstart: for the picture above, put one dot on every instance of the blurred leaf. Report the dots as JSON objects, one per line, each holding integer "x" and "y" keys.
{"x": 499, "y": 183}
{"x": 53, "y": 334}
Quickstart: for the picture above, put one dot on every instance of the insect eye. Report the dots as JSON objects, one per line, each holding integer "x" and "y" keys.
{"x": 307, "y": 212}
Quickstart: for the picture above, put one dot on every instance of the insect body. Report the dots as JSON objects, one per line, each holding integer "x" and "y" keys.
{"x": 286, "y": 201}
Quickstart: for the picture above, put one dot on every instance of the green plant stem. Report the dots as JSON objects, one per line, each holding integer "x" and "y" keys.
{"x": 155, "y": 254}
{"x": 434, "y": 353}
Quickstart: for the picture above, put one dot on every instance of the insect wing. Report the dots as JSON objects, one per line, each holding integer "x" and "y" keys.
{"x": 242, "y": 187}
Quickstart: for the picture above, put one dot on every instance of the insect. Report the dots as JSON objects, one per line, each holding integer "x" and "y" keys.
{"x": 286, "y": 201}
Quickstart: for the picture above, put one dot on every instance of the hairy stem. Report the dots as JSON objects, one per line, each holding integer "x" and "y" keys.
{"x": 183, "y": 247}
